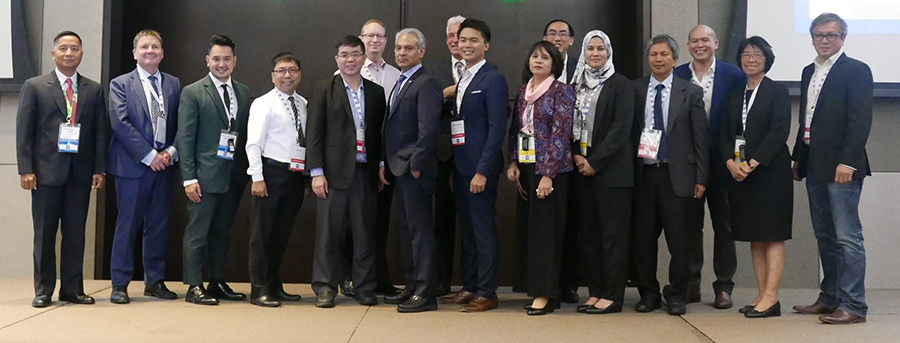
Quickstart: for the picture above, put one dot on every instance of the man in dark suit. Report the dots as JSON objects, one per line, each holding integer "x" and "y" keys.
{"x": 344, "y": 150}
{"x": 673, "y": 169}
{"x": 143, "y": 114}
{"x": 212, "y": 134}
{"x": 830, "y": 152}
{"x": 717, "y": 79}
{"x": 61, "y": 154}
{"x": 410, "y": 127}
{"x": 447, "y": 73}
{"x": 478, "y": 132}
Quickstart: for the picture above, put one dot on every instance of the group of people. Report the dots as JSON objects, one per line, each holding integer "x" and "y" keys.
{"x": 630, "y": 158}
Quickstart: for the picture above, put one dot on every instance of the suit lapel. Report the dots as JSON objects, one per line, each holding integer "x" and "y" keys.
{"x": 369, "y": 103}
{"x": 56, "y": 92}
{"x": 138, "y": 90}
{"x": 474, "y": 84}
{"x": 340, "y": 91}
{"x": 676, "y": 97}
{"x": 602, "y": 99}
{"x": 409, "y": 83}
{"x": 216, "y": 98}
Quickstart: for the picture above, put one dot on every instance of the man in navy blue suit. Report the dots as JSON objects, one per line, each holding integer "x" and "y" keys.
{"x": 410, "y": 129}
{"x": 718, "y": 79}
{"x": 143, "y": 108}
{"x": 477, "y": 136}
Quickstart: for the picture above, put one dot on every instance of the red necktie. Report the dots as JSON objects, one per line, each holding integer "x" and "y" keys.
{"x": 70, "y": 97}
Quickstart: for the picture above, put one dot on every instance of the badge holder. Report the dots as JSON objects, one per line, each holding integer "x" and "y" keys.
{"x": 68, "y": 137}
{"x": 650, "y": 139}
{"x": 227, "y": 141}
{"x": 298, "y": 159}
{"x": 526, "y": 148}
{"x": 740, "y": 150}
{"x": 360, "y": 141}
{"x": 458, "y": 132}
{"x": 583, "y": 142}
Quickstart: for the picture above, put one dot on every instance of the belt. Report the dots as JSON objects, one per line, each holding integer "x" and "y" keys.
{"x": 281, "y": 165}
{"x": 360, "y": 165}
{"x": 658, "y": 165}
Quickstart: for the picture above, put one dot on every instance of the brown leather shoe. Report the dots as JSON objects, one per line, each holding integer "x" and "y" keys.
{"x": 842, "y": 317}
{"x": 692, "y": 297}
{"x": 481, "y": 304}
{"x": 816, "y": 308}
{"x": 461, "y": 298}
{"x": 723, "y": 300}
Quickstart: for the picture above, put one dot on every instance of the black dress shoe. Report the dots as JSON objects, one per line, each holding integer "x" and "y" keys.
{"x": 418, "y": 304}
{"x": 615, "y": 307}
{"x": 647, "y": 305}
{"x": 119, "y": 295}
{"x": 772, "y": 311}
{"x": 569, "y": 296}
{"x": 677, "y": 308}
{"x": 746, "y": 308}
{"x": 276, "y": 292}
{"x": 41, "y": 301}
{"x": 220, "y": 290}
{"x": 552, "y": 305}
{"x": 77, "y": 299}
{"x": 198, "y": 295}
{"x": 386, "y": 290}
{"x": 366, "y": 298}
{"x": 442, "y": 289}
{"x": 398, "y": 298}
{"x": 325, "y": 299}
{"x": 347, "y": 289}
{"x": 159, "y": 290}
{"x": 265, "y": 301}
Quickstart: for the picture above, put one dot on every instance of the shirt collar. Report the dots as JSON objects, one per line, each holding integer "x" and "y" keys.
{"x": 145, "y": 74}
{"x": 285, "y": 95}
{"x": 62, "y": 77}
{"x": 475, "y": 68}
{"x": 667, "y": 82}
{"x": 712, "y": 67}
{"x": 830, "y": 61}
{"x": 347, "y": 85}
{"x": 220, "y": 83}
{"x": 378, "y": 66}
{"x": 453, "y": 61}
{"x": 409, "y": 73}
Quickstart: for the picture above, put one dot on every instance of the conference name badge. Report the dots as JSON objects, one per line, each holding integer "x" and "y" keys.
{"x": 740, "y": 152}
{"x": 583, "y": 140}
{"x": 360, "y": 140}
{"x": 526, "y": 148}
{"x": 298, "y": 159}
{"x": 649, "y": 147}
{"x": 68, "y": 137}
{"x": 458, "y": 133}
{"x": 227, "y": 141}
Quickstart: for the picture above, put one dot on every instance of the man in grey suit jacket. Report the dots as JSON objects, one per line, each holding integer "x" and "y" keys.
{"x": 673, "y": 169}
{"x": 60, "y": 170}
{"x": 410, "y": 129}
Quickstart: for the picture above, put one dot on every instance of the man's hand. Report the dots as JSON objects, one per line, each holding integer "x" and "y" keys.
{"x": 381, "y": 176}
{"x": 167, "y": 156}
{"x": 477, "y": 184}
{"x": 512, "y": 173}
{"x": 450, "y": 91}
{"x": 796, "y": 171}
{"x": 28, "y": 181}
{"x": 583, "y": 166}
{"x": 843, "y": 174}
{"x": 320, "y": 186}
{"x": 193, "y": 192}
{"x": 415, "y": 173}
{"x": 259, "y": 189}
{"x": 160, "y": 162}
{"x": 699, "y": 190}
{"x": 98, "y": 181}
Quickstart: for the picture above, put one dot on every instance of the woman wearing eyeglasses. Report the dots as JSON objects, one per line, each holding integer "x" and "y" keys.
{"x": 540, "y": 156}
{"x": 757, "y": 125}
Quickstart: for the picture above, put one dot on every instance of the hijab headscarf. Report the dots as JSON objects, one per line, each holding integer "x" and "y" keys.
{"x": 588, "y": 77}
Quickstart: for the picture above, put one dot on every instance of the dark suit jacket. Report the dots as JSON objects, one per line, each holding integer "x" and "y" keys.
{"x": 727, "y": 78}
{"x": 42, "y": 107}
{"x": 132, "y": 128}
{"x": 201, "y": 119}
{"x": 443, "y": 73}
{"x": 687, "y": 133}
{"x": 768, "y": 123}
{"x": 841, "y": 122}
{"x": 571, "y": 64}
{"x": 331, "y": 136}
{"x": 484, "y": 110}
{"x": 612, "y": 152}
{"x": 410, "y": 126}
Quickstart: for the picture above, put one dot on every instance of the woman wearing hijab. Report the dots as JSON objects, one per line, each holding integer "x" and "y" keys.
{"x": 604, "y": 155}
{"x": 540, "y": 162}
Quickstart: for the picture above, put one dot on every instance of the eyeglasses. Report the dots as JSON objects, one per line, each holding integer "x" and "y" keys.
{"x": 554, "y": 34}
{"x": 754, "y": 56}
{"x": 285, "y": 71}
{"x": 377, "y": 36}
{"x": 831, "y": 37}
{"x": 345, "y": 56}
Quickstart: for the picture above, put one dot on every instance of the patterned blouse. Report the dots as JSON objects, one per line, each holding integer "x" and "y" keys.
{"x": 553, "y": 113}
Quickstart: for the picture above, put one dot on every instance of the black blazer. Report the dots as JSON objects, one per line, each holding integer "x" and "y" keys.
{"x": 768, "y": 124}
{"x": 42, "y": 107}
{"x": 612, "y": 152}
{"x": 841, "y": 122}
{"x": 410, "y": 126}
{"x": 331, "y": 136}
{"x": 571, "y": 64}
{"x": 443, "y": 73}
{"x": 687, "y": 133}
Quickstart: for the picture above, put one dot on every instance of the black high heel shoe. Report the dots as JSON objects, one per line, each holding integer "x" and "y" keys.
{"x": 772, "y": 311}
{"x": 552, "y": 304}
{"x": 615, "y": 307}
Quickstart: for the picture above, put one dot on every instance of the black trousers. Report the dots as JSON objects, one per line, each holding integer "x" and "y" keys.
{"x": 546, "y": 226}
{"x": 724, "y": 255}
{"x": 62, "y": 207}
{"x": 444, "y": 222}
{"x": 416, "y": 229}
{"x": 383, "y": 208}
{"x": 658, "y": 209}
{"x": 272, "y": 222}
{"x": 604, "y": 222}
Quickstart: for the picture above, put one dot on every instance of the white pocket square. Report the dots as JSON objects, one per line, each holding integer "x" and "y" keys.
{"x": 475, "y": 92}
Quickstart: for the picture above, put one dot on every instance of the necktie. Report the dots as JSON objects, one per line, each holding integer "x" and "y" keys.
{"x": 301, "y": 138}
{"x": 459, "y": 70}
{"x": 156, "y": 112}
{"x": 659, "y": 124}
{"x": 397, "y": 90}
{"x": 70, "y": 98}
{"x": 227, "y": 100}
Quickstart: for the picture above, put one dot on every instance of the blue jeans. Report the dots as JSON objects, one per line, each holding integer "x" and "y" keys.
{"x": 835, "y": 221}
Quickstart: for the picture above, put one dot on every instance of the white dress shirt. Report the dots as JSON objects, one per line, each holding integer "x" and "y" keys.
{"x": 467, "y": 77}
{"x": 707, "y": 82}
{"x": 564, "y": 76}
{"x": 271, "y": 132}
{"x": 148, "y": 92}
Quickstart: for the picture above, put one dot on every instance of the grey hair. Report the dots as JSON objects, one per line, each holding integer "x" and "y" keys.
{"x": 420, "y": 38}
{"x": 664, "y": 38}
{"x": 827, "y": 17}
{"x": 454, "y": 20}
{"x": 714, "y": 37}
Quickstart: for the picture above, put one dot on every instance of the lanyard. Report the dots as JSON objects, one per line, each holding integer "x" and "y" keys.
{"x": 747, "y": 106}
{"x": 358, "y": 106}
{"x": 71, "y": 106}
{"x": 584, "y": 104}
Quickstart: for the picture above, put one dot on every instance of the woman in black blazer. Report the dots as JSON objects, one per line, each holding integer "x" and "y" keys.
{"x": 757, "y": 125}
{"x": 604, "y": 156}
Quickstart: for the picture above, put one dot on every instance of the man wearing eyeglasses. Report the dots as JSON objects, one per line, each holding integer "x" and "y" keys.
{"x": 376, "y": 69}
{"x": 344, "y": 148}
{"x": 276, "y": 152}
{"x": 562, "y": 35}
{"x": 830, "y": 152}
